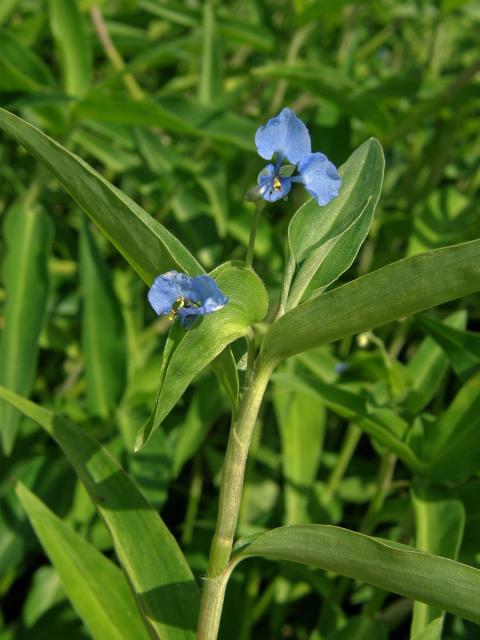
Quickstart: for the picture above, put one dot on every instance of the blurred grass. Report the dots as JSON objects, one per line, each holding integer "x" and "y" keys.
{"x": 165, "y": 102}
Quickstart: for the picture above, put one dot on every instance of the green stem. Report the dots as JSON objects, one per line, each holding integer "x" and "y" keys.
{"x": 384, "y": 482}
{"x": 248, "y": 485}
{"x": 229, "y": 503}
{"x": 253, "y": 234}
{"x": 348, "y": 448}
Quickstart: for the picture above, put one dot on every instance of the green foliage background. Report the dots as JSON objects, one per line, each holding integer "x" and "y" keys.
{"x": 172, "y": 126}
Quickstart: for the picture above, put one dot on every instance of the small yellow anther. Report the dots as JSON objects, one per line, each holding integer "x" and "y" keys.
{"x": 277, "y": 184}
{"x": 178, "y": 304}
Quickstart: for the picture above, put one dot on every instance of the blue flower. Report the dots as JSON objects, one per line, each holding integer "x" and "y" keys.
{"x": 286, "y": 139}
{"x": 176, "y": 294}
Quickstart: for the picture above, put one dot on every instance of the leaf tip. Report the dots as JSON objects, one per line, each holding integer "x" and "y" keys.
{"x": 139, "y": 442}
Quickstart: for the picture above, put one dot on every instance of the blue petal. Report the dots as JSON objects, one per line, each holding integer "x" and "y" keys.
{"x": 286, "y": 135}
{"x": 165, "y": 290}
{"x": 273, "y": 186}
{"x": 320, "y": 177}
{"x": 208, "y": 294}
{"x": 200, "y": 296}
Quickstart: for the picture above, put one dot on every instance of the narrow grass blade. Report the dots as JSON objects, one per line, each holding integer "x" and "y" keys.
{"x": 159, "y": 574}
{"x": 28, "y": 236}
{"x": 66, "y": 23}
{"x": 143, "y": 241}
{"x": 96, "y": 587}
{"x": 103, "y": 334}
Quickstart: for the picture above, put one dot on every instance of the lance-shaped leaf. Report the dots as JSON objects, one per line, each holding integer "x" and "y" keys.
{"x": 381, "y": 423}
{"x": 397, "y": 290}
{"x": 173, "y": 113}
{"x": 157, "y": 570}
{"x": 301, "y": 422}
{"x": 440, "y": 582}
{"x": 461, "y": 347}
{"x": 145, "y": 243}
{"x": 20, "y": 68}
{"x": 433, "y": 631}
{"x": 68, "y": 29}
{"x": 96, "y": 587}
{"x": 451, "y": 444}
{"x": 247, "y": 304}
{"x": 103, "y": 334}
{"x": 324, "y": 241}
{"x": 211, "y": 70}
{"x": 428, "y": 367}
{"x": 28, "y": 236}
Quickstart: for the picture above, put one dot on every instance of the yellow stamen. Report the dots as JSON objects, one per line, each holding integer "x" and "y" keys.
{"x": 277, "y": 184}
{"x": 178, "y": 304}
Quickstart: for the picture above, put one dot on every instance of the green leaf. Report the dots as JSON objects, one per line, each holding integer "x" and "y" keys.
{"x": 159, "y": 158}
{"x": 103, "y": 334}
{"x": 326, "y": 240}
{"x": 213, "y": 181}
{"x": 225, "y": 368}
{"x": 46, "y": 590}
{"x": 332, "y": 85}
{"x": 21, "y": 69}
{"x": 73, "y": 45}
{"x": 236, "y": 30}
{"x": 301, "y": 421}
{"x": 96, "y": 587}
{"x": 451, "y": 443}
{"x": 361, "y": 627}
{"x": 382, "y": 424}
{"x": 172, "y": 113}
{"x": 397, "y": 290}
{"x": 206, "y": 405}
{"x": 439, "y": 526}
{"x": 28, "y": 236}
{"x": 143, "y": 241}
{"x": 461, "y": 347}
{"x": 148, "y": 246}
{"x": 428, "y": 367}
{"x": 211, "y": 71}
{"x": 440, "y": 582}
{"x": 145, "y": 113}
{"x": 111, "y": 155}
{"x": 6, "y": 9}
{"x": 247, "y": 304}
{"x": 446, "y": 216}
{"x": 338, "y": 256}
{"x": 157, "y": 570}
{"x": 431, "y": 632}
